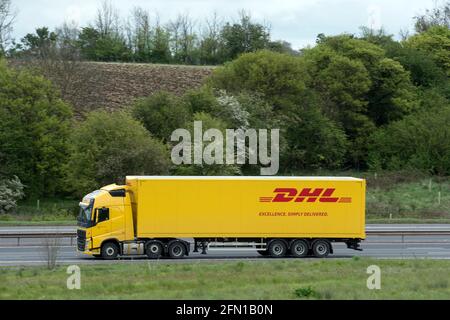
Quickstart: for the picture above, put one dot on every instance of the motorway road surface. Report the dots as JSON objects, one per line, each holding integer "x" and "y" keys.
{"x": 32, "y": 251}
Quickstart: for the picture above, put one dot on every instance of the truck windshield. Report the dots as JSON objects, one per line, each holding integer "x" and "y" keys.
{"x": 84, "y": 216}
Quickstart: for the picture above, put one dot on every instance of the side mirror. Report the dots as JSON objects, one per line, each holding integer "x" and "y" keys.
{"x": 102, "y": 214}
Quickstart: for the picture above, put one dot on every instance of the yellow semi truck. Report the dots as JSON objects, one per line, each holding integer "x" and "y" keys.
{"x": 167, "y": 216}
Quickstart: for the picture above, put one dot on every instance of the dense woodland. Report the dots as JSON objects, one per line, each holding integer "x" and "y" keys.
{"x": 353, "y": 101}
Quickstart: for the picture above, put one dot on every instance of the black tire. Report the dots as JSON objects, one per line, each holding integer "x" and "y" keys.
{"x": 154, "y": 249}
{"x": 299, "y": 248}
{"x": 277, "y": 249}
{"x": 176, "y": 250}
{"x": 321, "y": 248}
{"x": 110, "y": 251}
{"x": 263, "y": 252}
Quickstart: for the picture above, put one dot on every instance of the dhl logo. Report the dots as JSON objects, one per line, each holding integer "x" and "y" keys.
{"x": 305, "y": 195}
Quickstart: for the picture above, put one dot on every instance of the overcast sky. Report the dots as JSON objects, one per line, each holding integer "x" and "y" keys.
{"x": 296, "y": 21}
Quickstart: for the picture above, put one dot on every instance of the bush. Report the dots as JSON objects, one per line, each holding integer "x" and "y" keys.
{"x": 434, "y": 42}
{"x": 306, "y": 292}
{"x": 200, "y": 100}
{"x": 11, "y": 190}
{"x": 161, "y": 114}
{"x": 315, "y": 142}
{"x": 358, "y": 87}
{"x": 107, "y": 147}
{"x": 208, "y": 122}
{"x": 419, "y": 141}
{"x": 34, "y": 127}
{"x": 280, "y": 78}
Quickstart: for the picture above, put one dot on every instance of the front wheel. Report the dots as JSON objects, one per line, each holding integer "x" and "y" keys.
{"x": 110, "y": 251}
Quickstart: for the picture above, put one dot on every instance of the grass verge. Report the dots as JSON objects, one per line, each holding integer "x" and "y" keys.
{"x": 295, "y": 279}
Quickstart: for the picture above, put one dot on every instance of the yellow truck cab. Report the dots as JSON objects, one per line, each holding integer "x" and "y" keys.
{"x": 276, "y": 216}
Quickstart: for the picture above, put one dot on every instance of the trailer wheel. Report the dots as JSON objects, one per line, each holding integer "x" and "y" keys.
{"x": 277, "y": 248}
{"x": 110, "y": 251}
{"x": 299, "y": 248}
{"x": 177, "y": 250}
{"x": 321, "y": 248}
{"x": 154, "y": 249}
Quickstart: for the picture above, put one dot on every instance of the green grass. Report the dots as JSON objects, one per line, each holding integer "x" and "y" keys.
{"x": 287, "y": 279}
{"x": 47, "y": 212}
{"x": 414, "y": 200}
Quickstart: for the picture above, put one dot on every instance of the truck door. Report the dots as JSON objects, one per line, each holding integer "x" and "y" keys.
{"x": 102, "y": 228}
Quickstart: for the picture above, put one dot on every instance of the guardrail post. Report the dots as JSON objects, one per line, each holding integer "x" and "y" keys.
{"x": 18, "y": 241}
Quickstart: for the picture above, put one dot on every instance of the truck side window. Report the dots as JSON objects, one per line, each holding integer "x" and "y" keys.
{"x": 103, "y": 214}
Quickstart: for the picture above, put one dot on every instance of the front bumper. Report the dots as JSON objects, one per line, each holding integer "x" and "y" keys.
{"x": 84, "y": 244}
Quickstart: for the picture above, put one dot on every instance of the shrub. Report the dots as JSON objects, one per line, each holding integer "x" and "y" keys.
{"x": 161, "y": 114}
{"x": 435, "y": 42}
{"x": 280, "y": 78}
{"x": 315, "y": 142}
{"x": 208, "y": 122}
{"x": 11, "y": 190}
{"x": 306, "y": 292}
{"x": 419, "y": 141}
{"x": 107, "y": 147}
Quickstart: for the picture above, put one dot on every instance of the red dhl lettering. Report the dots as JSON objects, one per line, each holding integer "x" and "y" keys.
{"x": 305, "y": 195}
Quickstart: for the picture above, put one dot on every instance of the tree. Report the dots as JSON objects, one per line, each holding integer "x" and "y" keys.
{"x": 420, "y": 141}
{"x": 58, "y": 56}
{"x": 279, "y": 78}
{"x": 107, "y": 147}
{"x": 281, "y": 47}
{"x": 160, "y": 45}
{"x": 98, "y": 47}
{"x": 208, "y": 122}
{"x": 33, "y": 132}
{"x": 104, "y": 40}
{"x": 107, "y": 21}
{"x": 184, "y": 40}
{"x": 7, "y": 18}
{"x": 434, "y": 42}
{"x": 161, "y": 114}
{"x": 438, "y": 16}
{"x": 423, "y": 69}
{"x": 315, "y": 142}
{"x": 88, "y": 43}
{"x": 244, "y": 36}
{"x": 211, "y": 42}
{"x": 359, "y": 87}
{"x": 40, "y": 45}
{"x": 139, "y": 34}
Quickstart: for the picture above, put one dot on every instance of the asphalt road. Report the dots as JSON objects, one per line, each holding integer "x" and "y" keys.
{"x": 32, "y": 252}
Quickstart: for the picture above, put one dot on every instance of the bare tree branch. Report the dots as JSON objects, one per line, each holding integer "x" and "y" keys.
{"x": 7, "y": 18}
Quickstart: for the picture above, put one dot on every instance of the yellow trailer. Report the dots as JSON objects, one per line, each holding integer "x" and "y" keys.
{"x": 276, "y": 216}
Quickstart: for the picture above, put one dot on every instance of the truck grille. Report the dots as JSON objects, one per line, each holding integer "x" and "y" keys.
{"x": 81, "y": 239}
